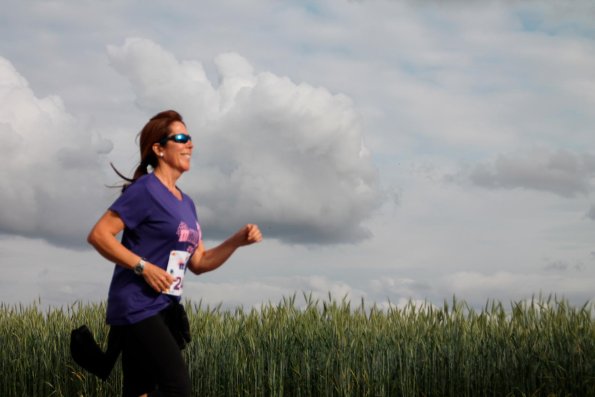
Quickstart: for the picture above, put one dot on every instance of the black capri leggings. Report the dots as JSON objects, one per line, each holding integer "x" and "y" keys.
{"x": 152, "y": 361}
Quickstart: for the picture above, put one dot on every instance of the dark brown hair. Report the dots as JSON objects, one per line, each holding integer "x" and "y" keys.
{"x": 156, "y": 129}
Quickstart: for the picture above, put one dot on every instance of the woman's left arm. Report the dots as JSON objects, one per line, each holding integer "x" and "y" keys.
{"x": 203, "y": 261}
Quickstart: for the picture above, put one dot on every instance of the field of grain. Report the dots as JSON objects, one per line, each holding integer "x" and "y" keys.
{"x": 544, "y": 347}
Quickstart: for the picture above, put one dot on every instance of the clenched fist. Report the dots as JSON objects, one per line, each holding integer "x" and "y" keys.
{"x": 247, "y": 235}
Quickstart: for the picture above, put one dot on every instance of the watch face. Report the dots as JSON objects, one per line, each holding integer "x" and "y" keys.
{"x": 138, "y": 269}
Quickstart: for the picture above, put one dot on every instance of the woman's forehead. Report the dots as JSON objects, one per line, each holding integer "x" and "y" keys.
{"x": 177, "y": 127}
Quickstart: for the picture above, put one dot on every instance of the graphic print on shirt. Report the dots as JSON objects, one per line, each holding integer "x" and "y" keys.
{"x": 187, "y": 235}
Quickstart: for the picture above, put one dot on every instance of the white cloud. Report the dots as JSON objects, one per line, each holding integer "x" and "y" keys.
{"x": 251, "y": 293}
{"x": 403, "y": 287}
{"x": 34, "y": 269}
{"x": 287, "y": 156}
{"x": 49, "y": 161}
{"x": 473, "y": 288}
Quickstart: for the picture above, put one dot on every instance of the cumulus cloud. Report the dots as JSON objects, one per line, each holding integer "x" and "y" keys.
{"x": 562, "y": 172}
{"x": 288, "y": 156}
{"x": 49, "y": 158}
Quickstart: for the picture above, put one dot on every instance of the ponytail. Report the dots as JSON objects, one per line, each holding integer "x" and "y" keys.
{"x": 140, "y": 170}
{"x": 128, "y": 180}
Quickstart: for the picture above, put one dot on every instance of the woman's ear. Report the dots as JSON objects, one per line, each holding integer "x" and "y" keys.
{"x": 158, "y": 150}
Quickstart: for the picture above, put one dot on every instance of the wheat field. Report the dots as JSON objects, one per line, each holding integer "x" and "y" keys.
{"x": 544, "y": 347}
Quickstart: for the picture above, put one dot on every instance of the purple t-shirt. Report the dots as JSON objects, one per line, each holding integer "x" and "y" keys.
{"x": 156, "y": 223}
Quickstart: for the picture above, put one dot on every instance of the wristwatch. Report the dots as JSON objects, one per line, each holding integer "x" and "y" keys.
{"x": 139, "y": 267}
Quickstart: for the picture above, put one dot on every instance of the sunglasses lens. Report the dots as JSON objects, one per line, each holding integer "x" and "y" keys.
{"x": 181, "y": 138}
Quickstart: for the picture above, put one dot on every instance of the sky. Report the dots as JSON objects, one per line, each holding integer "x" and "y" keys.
{"x": 389, "y": 150}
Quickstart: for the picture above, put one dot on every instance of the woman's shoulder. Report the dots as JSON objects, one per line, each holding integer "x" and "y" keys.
{"x": 140, "y": 185}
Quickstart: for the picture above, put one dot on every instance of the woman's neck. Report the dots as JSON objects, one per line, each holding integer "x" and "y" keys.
{"x": 169, "y": 179}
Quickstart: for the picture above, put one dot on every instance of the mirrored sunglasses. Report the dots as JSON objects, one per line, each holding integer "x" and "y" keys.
{"x": 177, "y": 138}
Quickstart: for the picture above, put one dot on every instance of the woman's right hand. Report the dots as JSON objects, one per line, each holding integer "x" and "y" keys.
{"x": 157, "y": 278}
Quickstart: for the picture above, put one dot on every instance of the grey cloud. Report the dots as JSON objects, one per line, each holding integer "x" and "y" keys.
{"x": 287, "y": 156}
{"x": 505, "y": 286}
{"x": 557, "y": 266}
{"x": 561, "y": 172}
{"x": 591, "y": 213}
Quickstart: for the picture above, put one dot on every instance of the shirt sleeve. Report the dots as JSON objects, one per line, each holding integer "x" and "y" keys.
{"x": 133, "y": 204}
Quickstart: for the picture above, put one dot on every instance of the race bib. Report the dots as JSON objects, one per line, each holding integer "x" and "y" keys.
{"x": 176, "y": 266}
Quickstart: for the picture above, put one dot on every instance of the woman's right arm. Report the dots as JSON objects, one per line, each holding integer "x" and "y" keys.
{"x": 103, "y": 238}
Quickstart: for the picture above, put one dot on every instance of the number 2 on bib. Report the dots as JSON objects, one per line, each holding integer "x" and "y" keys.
{"x": 176, "y": 266}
